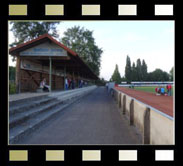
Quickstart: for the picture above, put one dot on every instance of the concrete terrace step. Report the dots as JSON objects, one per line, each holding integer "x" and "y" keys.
{"x": 28, "y": 105}
{"x": 72, "y": 94}
{"x": 23, "y": 116}
{"x": 16, "y": 101}
{"x": 30, "y": 125}
{"x": 27, "y": 115}
{"x": 26, "y": 128}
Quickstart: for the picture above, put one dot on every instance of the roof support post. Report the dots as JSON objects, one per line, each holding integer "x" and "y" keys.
{"x": 64, "y": 77}
{"x": 50, "y": 75}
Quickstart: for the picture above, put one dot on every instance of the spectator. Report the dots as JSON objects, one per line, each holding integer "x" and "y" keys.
{"x": 69, "y": 83}
{"x": 169, "y": 90}
{"x": 81, "y": 84}
{"x": 162, "y": 91}
{"x": 66, "y": 83}
{"x": 157, "y": 90}
{"x": 44, "y": 86}
{"x": 73, "y": 84}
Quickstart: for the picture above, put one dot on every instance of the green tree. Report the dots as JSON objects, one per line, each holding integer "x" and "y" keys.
{"x": 101, "y": 82}
{"x": 139, "y": 70}
{"x": 158, "y": 75}
{"x": 25, "y": 31}
{"x": 12, "y": 86}
{"x": 144, "y": 71}
{"x": 116, "y": 77}
{"x": 134, "y": 72}
{"x": 123, "y": 79}
{"x": 171, "y": 73}
{"x": 166, "y": 76}
{"x": 11, "y": 73}
{"x": 83, "y": 43}
{"x": 128, "y": 70}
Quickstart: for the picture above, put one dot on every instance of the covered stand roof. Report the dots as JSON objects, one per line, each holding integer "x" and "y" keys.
{"x": 72, "y": 62}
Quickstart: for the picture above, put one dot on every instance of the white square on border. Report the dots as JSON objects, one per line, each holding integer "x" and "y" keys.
{"x": 164, "y": 155}
{"x": 18, "y": 155}
{"x": 54, "y": 155}
{"x": 91, "y": 155}
{"x": 90, "y": 10}
{"x": 127, "y": 155}
{"x": 163, "y": 10}
{"x": 127, "y": 10}
{"x": 54, "y": 10}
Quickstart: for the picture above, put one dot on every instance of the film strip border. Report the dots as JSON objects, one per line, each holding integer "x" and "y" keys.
{"x": 97, "y": 154}
{"x": 89, "y": 10}
{"x": 89, "y": 155}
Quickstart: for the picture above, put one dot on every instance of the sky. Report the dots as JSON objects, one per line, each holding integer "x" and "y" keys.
{"x": 152, "y": 41}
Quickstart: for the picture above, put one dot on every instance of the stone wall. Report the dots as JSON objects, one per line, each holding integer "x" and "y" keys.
{"x": 156, "y": 127}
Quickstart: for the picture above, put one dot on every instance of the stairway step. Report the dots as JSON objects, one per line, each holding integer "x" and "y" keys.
{"x": 28, "y": 105}
{"x": 17, "y": 102}
{"x": 21, "y": 117}
{"x": 35, "y": 119}
{"x": 30, "y": 125}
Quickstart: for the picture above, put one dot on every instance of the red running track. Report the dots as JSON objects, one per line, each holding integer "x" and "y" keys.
{"x": 161, "y": 103}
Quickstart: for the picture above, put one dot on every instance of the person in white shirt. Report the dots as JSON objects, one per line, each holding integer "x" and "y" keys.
{"x": 66, "y": 83}
{"x": 44, "y": 86}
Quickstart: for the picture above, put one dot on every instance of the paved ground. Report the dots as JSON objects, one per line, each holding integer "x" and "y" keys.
{"x": 95, "y": 119}
{"x": 162, "y": 103}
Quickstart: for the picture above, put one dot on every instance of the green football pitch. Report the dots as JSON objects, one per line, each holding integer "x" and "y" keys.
{"x": 149, "y": 89}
